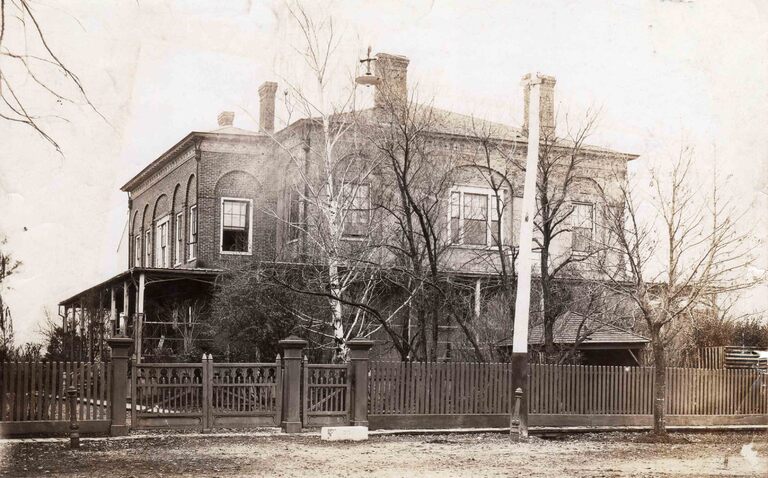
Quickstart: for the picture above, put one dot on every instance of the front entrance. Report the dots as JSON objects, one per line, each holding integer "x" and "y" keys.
{"x": 206, "y": 395}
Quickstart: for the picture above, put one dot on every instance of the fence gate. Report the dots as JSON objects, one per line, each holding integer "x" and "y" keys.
{"x": 206, "y": 395}
{"x": 326, "y": 394}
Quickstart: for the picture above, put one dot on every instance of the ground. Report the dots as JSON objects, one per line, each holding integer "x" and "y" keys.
{"x": 584, "y": 455}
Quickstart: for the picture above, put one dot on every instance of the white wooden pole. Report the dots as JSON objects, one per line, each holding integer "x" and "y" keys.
{"x": 519, "y": 362}
{"x": 523, "y": 299}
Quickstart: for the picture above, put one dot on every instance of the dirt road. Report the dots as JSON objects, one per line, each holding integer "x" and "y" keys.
{"x": 599, "y": 455}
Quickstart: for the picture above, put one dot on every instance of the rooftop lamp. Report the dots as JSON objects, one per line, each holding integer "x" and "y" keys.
{"x": 368, "y": 78}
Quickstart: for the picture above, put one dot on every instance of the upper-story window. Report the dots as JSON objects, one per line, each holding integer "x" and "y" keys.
{"x": 294, "y": 219}
{"x": 178, "y": 251}
{"x": 137, "y": 250}
{"x": 582, "y": 227}
{"x": 148, "y": 247}
{"x": 235, "y": 226}
{"x": 161, "y": 242}
{"x": 192, "y": 250}
{"x": 474, "y": 216}
{"x": 357, "y": 217}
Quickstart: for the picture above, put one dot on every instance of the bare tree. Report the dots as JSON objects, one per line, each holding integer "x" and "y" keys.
{"x": 8, "y": 266}
{"x": 493, "y": 160}
{"x": 329, "y": 190}
{"x": 31, "y": 69}
{"x": 420, "y": 177}
{"x": 560, "y": 172}
{"x": 675, "y": 259}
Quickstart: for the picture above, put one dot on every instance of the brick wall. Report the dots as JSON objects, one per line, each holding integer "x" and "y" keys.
{"x": 243, "y": 171}
{"x": 166, "y": 196}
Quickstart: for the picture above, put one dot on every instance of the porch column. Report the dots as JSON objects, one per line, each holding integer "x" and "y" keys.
{"x": 293, "y": 348}
{"x": 126, "y": 304}
{"x": 121, "y": 351}
{"x": 139, "y": 324}
{"x": 359, "y": 351}
{"x": 113, "y": 311}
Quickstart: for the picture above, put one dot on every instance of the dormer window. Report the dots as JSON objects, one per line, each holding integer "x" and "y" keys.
{"x": 236, "y": 226}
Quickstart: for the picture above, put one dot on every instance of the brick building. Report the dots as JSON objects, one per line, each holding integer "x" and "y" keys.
{"x": 220, "y": 198}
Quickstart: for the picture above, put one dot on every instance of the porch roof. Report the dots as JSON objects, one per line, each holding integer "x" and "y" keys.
{"x": 571, "y": 325}
{"x": 133, "y": 273}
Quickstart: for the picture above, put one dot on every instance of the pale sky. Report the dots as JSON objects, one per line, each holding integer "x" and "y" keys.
{"x": 660, "y": 71}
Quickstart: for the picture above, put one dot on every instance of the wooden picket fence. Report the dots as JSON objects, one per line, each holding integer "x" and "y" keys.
{"x": 580, "y": 390}
{"x": 479, "y": 394}
{"x": 36, "y": 392}
{"x": 423, "y": 388}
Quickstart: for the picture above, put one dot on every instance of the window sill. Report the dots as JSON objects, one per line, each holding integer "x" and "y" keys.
{"x": 235, "y": 253}
{"x": 478, "y": 247}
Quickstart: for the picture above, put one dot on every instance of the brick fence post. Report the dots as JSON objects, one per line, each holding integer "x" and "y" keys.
{"x": 121, "y": 350}
{"x": 359, "y": 350}
{"x": 293, "y": 348}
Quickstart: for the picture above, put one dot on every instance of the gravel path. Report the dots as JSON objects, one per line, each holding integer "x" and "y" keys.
{"x": 585, "y": 455}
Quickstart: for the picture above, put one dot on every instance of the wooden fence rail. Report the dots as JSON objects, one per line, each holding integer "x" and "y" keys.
{"x": 36, "y": 391}
{"x": 452, "y": 388}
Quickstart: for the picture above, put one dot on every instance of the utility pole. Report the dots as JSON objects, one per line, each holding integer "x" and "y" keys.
{"x": 523, "y": 300}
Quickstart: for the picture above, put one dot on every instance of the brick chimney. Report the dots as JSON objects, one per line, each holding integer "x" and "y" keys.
{"x": 226, "y": 118}
{"x": 393, "y": 73}
{"x": 547, "y": 104}
{"x": 267, "y": 92}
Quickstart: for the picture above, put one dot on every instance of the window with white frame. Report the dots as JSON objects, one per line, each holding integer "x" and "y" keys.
{"x": 582, "y": 227}
{"x": 474, "y": 219}
{"x": 178, "y": 251}
{"x": 137, "y": 250}
{"x": 161, "y": 242}
{"x": 148, "y": 247}
{"x": 358, "y": 210}
{"x": 235, "y": 226}
{"x": 192, "y": 236}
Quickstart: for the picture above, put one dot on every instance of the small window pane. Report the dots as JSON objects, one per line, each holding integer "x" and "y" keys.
{"x": 475, "y": 206}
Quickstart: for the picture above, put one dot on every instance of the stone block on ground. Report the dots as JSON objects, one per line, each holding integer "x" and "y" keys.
{"x": 344, "y": 433}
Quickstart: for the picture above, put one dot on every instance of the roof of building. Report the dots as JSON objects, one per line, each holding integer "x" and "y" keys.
{"x": 442, "y": 122}
{"x": 467, "y": 126}
{"x": 131, "y": 274}
{"x": 235, "y": 130}
{"x": 570, "y": 325}
{"x": 185, "y": 142}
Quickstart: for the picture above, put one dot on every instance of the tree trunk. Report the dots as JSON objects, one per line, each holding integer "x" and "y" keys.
{"x": 422, "y": 348}
{"x": 659, "y": 386}
{"x": 433, "y": 317}
{"x": 340, "y": 352}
